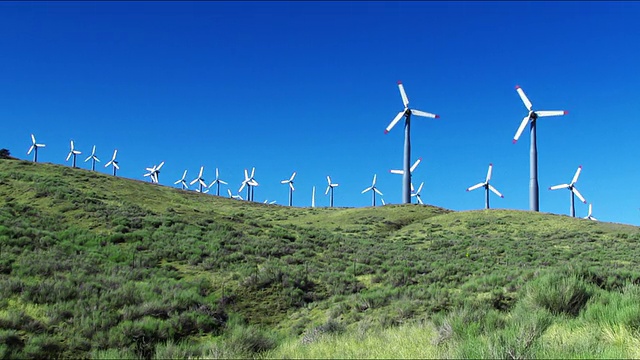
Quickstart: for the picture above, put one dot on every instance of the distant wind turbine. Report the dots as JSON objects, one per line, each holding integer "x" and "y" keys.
{"x": 531, "y": 118}
{"x": 218, "y": 182}
{"x": 250, "y": 182}
{"x": 330, "y": 187}
{"x": 73, "y": 152}
{"x": 373, "y": 190}
{"x": 406, "y": 113}
{"x": 572, "y": 188}
{"x": 417, "y": 193}
{"x": 94, "y": 159}
{"x": 199, "y": 180}
{"x": 487, "y": 187}
{"x": 237, "y": 197}
{"x": 270, "y": 203}
{"x": 183, "y": 181}
{"x": 589, "y": 215}
{"x": 154, "y": 172}
{"x": 291, "y": 188}
{"x": 34, "y": 147}
{"x": 113, "y": 162}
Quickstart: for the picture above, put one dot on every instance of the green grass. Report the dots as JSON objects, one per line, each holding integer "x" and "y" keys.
{"x": 97, "y": 266}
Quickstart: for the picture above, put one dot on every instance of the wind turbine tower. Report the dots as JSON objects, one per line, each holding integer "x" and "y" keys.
{"x": 73, "y": 152}
{"x": 34, "y": 147}
{"x": 313, "y": 197}
{"x": 291, "y": 188}
{"x": 94, "y": 159}
{"x": 534, "y": 204}
{"x": 330, "y": 187}
{"x": 406, "y": 113}
{"x": 411, "y": 169}
{"x": 487, "y": 187}
{"x": 572, "y": 188}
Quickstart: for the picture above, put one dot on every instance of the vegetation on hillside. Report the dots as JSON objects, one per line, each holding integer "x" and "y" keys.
{"x": 97, "y": 266}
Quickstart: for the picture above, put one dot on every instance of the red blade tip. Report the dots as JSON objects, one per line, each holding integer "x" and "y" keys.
{"x": 399, "y": 82}
{"x": 491, "y": 164}
{"x": 437, "y": 116}
{"x": 566, "y": 112}
{"x": 517, "y": 87}
{"x": 514, "y": 141}
{"x": 502, "y": 196}
{"x": 386, "y": 132}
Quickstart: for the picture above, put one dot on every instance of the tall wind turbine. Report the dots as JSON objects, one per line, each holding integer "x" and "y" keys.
{"x": 183, "y": 181}
{"x": 291, "y": 188}
{"x": 589, "y": 215}
{"x": 113, "y": 162}
{"x": 406, "y": 113}
{"x": 94, "y": 157}
{"x": 34, "y": 147}
{"x": 417, "y": 193}
{"x": 330, "y": 187}
{"x": 531, "y": 118}
{"x": 249, "y": 182}
{"x": 411, "y": 169}
{"x": 199, "y": 180}
{"x": 572, "y": 188}
{"x": 373, "y": 190}
{"x": 487, "y": 187}
{"x": 218, "y": 182}
{"x": 73, "y": 152}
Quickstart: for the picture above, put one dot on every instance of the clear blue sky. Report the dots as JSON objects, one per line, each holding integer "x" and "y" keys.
{"x": 310, "y": 87}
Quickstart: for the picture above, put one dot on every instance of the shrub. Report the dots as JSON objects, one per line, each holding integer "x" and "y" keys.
{"x": 559, "y": 292}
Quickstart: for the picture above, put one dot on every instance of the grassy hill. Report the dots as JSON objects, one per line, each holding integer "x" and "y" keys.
{"x": 97, "y": 266}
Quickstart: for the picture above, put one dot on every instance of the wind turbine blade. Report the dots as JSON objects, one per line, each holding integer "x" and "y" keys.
{"x": 159, "y": 166}
{"x": 420, "y": 188}
{"x": 222, "y": 182}
{"x": 394, "y": 122}
{"x": 246, "y": 174}
{"x": 30, "y": 149}
{"x": 475, "y": 186}
{"x": 151, "y": 169}
{"x": 373, "y": 183}
{"x": 575, "y": 191}
{"x": 41, "y": 145}
{"x": 229, "y": 191}
{"x": 544, "y": 113}
{"x": 217, "y": 173}
{"x": 381, "y": 199}
{"x": 177, "y": 182}
{"x": 423, "y": 114}
{"x": 284, "y": 181}
{"x": 201, "y": 170}
{"x": 87, "y": 159}
{"x": 495, "y": 191}
{"x": 68, "y": 156}
{"x": 489, "y": 173}
{"x": 412, "y": 189}
{"x": 378, "y": 191}
{"x": 415, "y": 165}
{"x": 401, "y": 172}
{"x": 291, "y": 186}
{"x": 327, "y": 191}
{"x": 521, "y": 128}
{"x": 116, "y": 166}
{"x": 242, "y": 186}
{"x": 589, "y": 215}
{"x": 365, "y": 190}
{"x": 204, "y": 184}
{"x": 524, "y": 98}
{"x": 561, "y": 186}
{"x": 184, "y": 175}
{"x": 115, "y": 152}
{"x": 33, "y": 139}
{"x": 95, "y": 157}
{"x": 71, "y": 145}
{"x": 419, "y": 200}
{"x": 253, "y": 172}
{"x": 293, "y": 176}
{"x": 335, "y": 185}
{"x": 575, "y": 177}
{"x": 328, "y": 180}
{"x": 405, "y": 99}
{"x": 194, "y": 181}
{"x": 93, "y": 152}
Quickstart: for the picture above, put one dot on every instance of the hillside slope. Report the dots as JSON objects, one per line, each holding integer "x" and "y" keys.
{"x": 92, "y": 262}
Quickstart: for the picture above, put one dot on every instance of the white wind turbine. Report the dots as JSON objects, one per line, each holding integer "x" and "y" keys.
{"x": 113, "y": 162}
{"x": 411, "y": 169}
{"x": 218, "y": 182}
{"x": 487, "y": 187}
{"x": 291, "y": 188}
{"x": 73, "y": 152}
{"x": 572, "y": 189}
{"x": 249, "y": 182}
{"x": 330, "y": 187}
{"x": 154, "y": 172}
{"x": 589, "y": 215}
{"x": 531, "y": 118}
{"x": 417, "y": 193}
{"x": 34, "y": 147}
{"x": 237, "y": 197}
{"x": 270, "y": 202}
{"x": 94, "y": 157}
{"x": 183, "y": 181}
{"x": 199, "y": 180}
{"x": 406, "y": 113}
{"x": 373, "y": 190}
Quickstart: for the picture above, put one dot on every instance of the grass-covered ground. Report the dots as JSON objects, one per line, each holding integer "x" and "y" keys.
{"x": 97, "y": 266}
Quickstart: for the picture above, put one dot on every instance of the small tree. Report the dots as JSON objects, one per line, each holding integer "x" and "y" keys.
{"x": 5, "y": 154}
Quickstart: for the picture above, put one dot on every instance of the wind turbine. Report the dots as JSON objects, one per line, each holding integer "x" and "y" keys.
{"x": 271, "y": 202}
{"x": 589, "y": 215}
{"x": 154, "y": 172}
{"x": 330, "y": 187}
{"x": 250, "y": 182}
{"x": 73, "y": 152}
{"x": 531, "y": 118}
{"x": 34, "y": 147}
{"x": 199, "y": 180}
{"x": 411, "y": 169}
{"x": 572, "y": 188}
{"x": 182, "y": 181}
{"x": 217, "y": 181}
{"x": 291, "y": 188}
{"x": 313, "y": 197}
{"x": 237, "y": 197}
{"x": 113, "y": 162}
{"x": 406, "y": 113}
{"x": 417, "y": 193}
{"x": 373, "y": 190}
{"x": 487, "y": 187}
{"x": 381, "y": 199}
{"x": 94, "y": 157}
